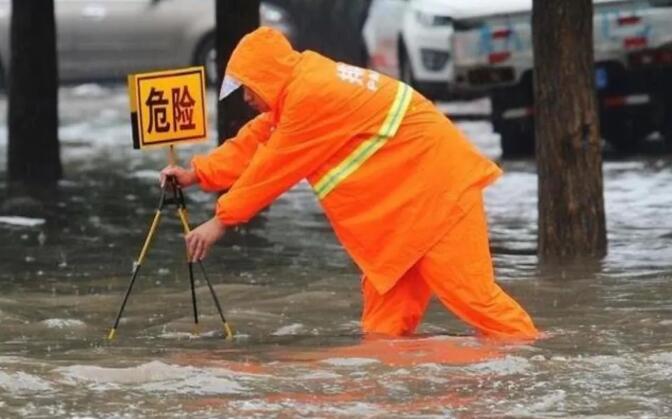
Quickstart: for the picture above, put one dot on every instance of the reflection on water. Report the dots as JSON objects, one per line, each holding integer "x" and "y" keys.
{"x": 293, "y": 296}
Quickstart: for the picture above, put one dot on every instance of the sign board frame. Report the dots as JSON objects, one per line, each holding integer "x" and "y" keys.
{"x": 148, "y": 89}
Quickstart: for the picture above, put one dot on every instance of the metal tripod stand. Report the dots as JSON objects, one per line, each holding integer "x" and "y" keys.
{"x": 171, "y": 193}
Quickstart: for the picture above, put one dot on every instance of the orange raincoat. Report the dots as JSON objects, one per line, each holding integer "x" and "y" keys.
{"x": 391, "y": 172}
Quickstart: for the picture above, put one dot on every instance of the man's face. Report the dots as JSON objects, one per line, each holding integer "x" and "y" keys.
{"x": 254, "y": 100}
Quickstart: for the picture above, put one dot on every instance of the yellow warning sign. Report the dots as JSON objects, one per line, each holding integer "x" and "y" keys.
{"x": 168, "y": 107}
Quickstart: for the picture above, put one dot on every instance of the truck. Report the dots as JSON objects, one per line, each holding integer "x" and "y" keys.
{"x": 633, "y": 70}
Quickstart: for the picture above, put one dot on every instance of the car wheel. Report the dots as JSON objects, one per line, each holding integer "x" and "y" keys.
{"x": 622, "y": 133}
{"x": 517, "y": 139}
{"x": 206, "y": 56}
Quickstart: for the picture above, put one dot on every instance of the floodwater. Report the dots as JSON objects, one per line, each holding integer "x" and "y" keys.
{"x": 292, "y": 294}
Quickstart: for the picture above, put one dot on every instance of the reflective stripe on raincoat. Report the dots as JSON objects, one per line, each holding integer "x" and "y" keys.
{"x": 394, "y": 205}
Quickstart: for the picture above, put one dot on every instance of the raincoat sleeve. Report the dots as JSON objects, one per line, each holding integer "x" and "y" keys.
{"x": 219, "y": 169}
{"x": 301, "y": 143}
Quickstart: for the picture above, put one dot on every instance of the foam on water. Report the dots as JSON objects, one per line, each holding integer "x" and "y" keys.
{"x": 347, "y": 409}
{"x": 63, "y": 323}
{"x": 553, "y": 401}
{"x": 319, "y": 375}
{"x": 21, "y": 382}
{"x": 22, "y": 221}
{"x": 659, "y": 366}
{"x": 89, "y": 90}
{"x": 290, "y": 329}
{"x": 350, "y": 409}
{"x": 662, "y": 358}
{"x": 503, "y": 366}
{"x": 187, "y": 335}
{"x": 198, "y": 383}
{"x": 350, "y": 362}
{"x": 12, "y": 360}
{"x": 606, "y": 364}
{"x": 79, "y": 133}
{"x": 148, "y": 372}
{"x": 152, "y": 175}
{"x": 155, "y": 376}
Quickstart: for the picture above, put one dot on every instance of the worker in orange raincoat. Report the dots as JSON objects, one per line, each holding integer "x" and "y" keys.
{"x": 400, "y": 184}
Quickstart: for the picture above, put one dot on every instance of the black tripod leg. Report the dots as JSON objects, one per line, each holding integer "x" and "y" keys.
{"x": 138, "y": 263}
{"x": 182, "y": 214}
{"x": 193, "y": 296}
{"x": 113, "y": 331}
{"x": 136, "y": 269}
{"x": 178, "y": 200}
{"x": 227, "y": 328}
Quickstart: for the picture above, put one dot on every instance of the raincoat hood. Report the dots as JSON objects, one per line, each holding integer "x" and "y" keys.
{"x": 263, "y": 61}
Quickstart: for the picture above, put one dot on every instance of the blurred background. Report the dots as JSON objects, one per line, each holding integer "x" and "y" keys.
{"x": 447, "y": 50}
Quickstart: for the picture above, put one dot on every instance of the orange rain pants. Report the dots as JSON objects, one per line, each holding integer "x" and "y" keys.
{"x": 458, "y": 270}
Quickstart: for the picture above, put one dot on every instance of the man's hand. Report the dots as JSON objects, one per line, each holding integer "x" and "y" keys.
{"x": 184, "y": 177}
{"x": 203, "y": 237}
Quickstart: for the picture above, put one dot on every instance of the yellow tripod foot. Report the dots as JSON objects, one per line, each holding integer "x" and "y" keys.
{"x": 196, "y": 331}
{"x": 228, "y": 331}
{"x": 112, "y": 333}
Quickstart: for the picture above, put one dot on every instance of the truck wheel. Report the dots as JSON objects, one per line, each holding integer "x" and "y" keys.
{"x": 516, "y": 139}
{"x": 666, "y": 127}
{"x": 622, "y": 134}
{"x": 517, "y": 134}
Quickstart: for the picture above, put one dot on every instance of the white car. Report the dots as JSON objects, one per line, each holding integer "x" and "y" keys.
{"x": 411, "y": 40}
{"x": 108, "y": 39}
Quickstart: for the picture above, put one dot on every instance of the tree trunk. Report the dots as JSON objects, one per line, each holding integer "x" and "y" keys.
{"x": 569, "y": 159}
{"x": 33, "y": 152}
{"x": 235, "y": 18}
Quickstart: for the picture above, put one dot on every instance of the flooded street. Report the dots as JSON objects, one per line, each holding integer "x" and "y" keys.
{"x": 293, "y": 296}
